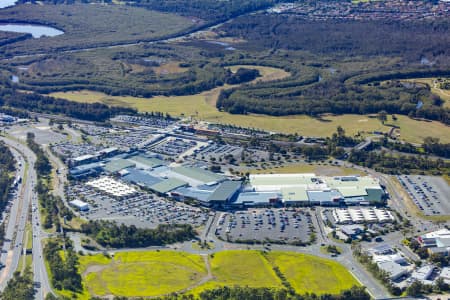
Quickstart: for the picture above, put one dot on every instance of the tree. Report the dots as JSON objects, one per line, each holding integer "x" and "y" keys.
{"x": 382, "y": 116}
{"x": 415, "y": 289}
{"x": 441, "y": 285}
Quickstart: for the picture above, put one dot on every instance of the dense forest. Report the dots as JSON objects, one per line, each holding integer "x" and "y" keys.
{"x": 109, "y": 234}
{"x": 355, "y": 91}
{"x": 346, "y": 38}
{"x": 248, "y": 293}
{"x": 20, "y": 286}
{"x": 208, "y": 10}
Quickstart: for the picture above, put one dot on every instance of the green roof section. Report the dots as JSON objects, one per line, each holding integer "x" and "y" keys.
{"x": 198, "y": 174}
{"x": 118, "y": 164}
{"x": 225, "y": 191}
{"x": 168, "y": 185}
{"x": 150, "y": 162}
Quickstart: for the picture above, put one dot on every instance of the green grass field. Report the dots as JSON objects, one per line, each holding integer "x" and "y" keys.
{"x": 202, "y": 106}
{"x": 142, "y": 273}
{"x": 154, "y": 273}
{"x": 242, "y": 267}
{"x": 308, "y": 273}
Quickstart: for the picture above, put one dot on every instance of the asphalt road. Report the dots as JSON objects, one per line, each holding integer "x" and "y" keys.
{"x": 12, "y": 246}
{"x": 18, "y": 216}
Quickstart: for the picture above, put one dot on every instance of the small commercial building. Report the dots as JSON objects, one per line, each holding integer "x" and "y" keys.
{"x": 394, "y": 270}
{"x": 352, "y": 231}
{"x": 80, "y": 205}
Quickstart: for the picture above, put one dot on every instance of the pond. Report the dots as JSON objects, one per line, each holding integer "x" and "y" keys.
{"x": 36, "y": 31}
{"x": 6, "y": 3}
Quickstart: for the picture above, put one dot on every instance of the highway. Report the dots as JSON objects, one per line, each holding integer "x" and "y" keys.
{"x": 18, "y": 218}
{"x": 14, "y": 231}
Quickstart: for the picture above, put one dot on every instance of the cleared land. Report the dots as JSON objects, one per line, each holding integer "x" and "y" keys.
{"x": 87, "y": 25}
{"x": 155, "y": 273}
{"x": 172, "y": 67}
{"x": 267, "y": 73}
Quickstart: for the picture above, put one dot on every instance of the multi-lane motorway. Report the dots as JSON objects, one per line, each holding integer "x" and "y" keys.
{"x": 13, "y": 248}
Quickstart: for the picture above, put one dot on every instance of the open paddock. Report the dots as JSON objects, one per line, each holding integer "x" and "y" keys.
{"x": 155, "y": 273}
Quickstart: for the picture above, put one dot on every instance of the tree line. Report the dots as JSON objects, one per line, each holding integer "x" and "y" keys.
{"x": 43, "y": 104}
{"x": 19, "y": 287}
{"x": 53, "y": 205}
{"x": 399, "y": 164}
{"x": 7, "y": 169}
{"x": 249, "y": 293}
{"x": 64, "y": 272}
{"x": 109, "y": 234}
{"x": 430, "y": 146}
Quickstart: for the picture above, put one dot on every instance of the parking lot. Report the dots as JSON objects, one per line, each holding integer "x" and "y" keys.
{"x": 142, "y": 209}
{"x": 71, "y": 150}
{"x": 429, "y": 193}
{"x": 130, "y": 138}
{"x": 42, "y": 131}
{"x": 173, "y": 147}
{"x": 216, "y": 151}
{"x": 265, "y": 225}
{"x": 149, "y": 121}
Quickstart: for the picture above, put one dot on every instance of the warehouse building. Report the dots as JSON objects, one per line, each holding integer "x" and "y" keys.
{"x": 309, "y": 189}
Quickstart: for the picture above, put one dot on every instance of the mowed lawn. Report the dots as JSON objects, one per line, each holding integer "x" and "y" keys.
{"x": 149, "y": 273}
{"x": 307, "y": 273}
